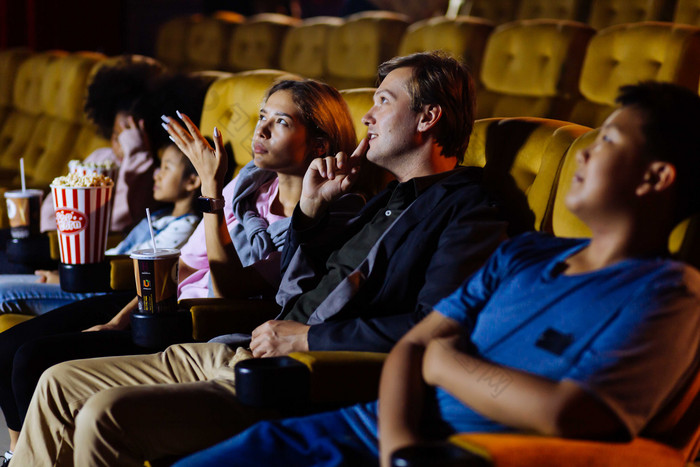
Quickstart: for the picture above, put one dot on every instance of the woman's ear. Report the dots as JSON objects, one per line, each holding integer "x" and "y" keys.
{"x": 429, "y": 117}
{"x": 193, "y": 183}
{"x": 659, "y": 176}
{"x": 320, "y": 147}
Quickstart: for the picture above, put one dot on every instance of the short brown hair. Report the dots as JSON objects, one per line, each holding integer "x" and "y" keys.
{"x": 439, "y": 79}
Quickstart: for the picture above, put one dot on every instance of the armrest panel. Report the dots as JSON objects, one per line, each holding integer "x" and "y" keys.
{"x": 225, "y": 316}
{"x": 542, "y": 451}
{"x": 342, "y": 377}
{"x": 121, "y": 276}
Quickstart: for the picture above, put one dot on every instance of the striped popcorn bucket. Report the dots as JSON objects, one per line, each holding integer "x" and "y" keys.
{"x": 82, "y": 217}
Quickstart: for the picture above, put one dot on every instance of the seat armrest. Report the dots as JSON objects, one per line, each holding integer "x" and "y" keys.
{"x": 439, "y": 454}
{"x": 340, "y": 377}
{"x": 547, "y": 451}
{"x": 310, "y": 380}
{"x": 121, "y": 276}
{"x": 213, "y": 317}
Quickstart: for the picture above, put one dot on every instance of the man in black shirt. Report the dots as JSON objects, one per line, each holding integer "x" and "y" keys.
{"x": 361, "y": 284}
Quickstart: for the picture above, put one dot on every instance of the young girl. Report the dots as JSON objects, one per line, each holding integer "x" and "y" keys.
{"x": 176, "y": 182}
{"x": 299, "y": 120}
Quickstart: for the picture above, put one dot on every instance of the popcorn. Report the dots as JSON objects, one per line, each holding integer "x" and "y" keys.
{"x": 76, "y": 180}
{"x": 75, "y": 164}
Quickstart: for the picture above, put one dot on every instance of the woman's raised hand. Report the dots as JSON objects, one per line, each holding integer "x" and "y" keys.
{"x": 211, "y": 163}
{"x": 329, "y": 177}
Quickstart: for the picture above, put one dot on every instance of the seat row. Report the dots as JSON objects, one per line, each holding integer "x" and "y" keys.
{"x": 545, "y": 68}
{"x": 599, "y": 14}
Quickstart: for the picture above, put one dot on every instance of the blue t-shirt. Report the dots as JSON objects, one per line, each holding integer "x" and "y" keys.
{"x": 629, "y": 333}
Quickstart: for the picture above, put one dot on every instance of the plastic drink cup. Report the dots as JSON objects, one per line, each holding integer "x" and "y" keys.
{"x": 156, "y": 279}
{"x": 83, "y": 218}
{"x": 23, "y": 208}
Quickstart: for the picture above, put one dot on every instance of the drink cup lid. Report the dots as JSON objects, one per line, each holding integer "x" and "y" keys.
{"x": 160, "y": 253}
{"x": 28, "y": 193}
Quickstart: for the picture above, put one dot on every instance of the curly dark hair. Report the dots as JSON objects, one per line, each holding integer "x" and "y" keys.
{"x": 116, "y": 86}
{"x": 166, "y": 94}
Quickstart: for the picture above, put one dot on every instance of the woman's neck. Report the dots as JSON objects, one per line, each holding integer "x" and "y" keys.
{"x": 288, "y": 194}
{"x": 182, "y": 206}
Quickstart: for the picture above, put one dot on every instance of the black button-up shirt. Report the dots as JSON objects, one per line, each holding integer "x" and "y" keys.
{"x": 346, "y": 259}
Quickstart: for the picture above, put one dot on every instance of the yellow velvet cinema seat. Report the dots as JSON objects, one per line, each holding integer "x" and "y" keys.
{"x": 531, "y": 68}
{"x": 360, "y": 44}
{"x": 496, "y": 11}
{"x": 687, "y": 12}
{"x": 575, "y": 10}
{"x": 208, "y": 39}
{"x": 257, "y": 43}
{"x": 16, "y": 133}
{"x": 171, "y": 41}
{"x": 629, "y": 53}
{"x": 304, "y": 47}
{"x": 64, "y": 90}
{"x": 463, "y": 37}
{"x": 10, "y": 60}
{"x": 606, "y": 13}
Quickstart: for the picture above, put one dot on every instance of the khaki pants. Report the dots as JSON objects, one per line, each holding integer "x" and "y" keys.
{"x": 120, "y": 411}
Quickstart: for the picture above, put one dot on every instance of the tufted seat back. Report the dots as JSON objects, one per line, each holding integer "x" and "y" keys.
{"x": 357, "y": 47}
{"x": 232, "y": 104}
{"x": 17, "y": 131}
{"x": 64, "y": 90}
{"x": 532, "y": 67}
{"x": 208, "y": 40}
{"x": 10, "y": 60}
{"x": 304, "y": 47}
{"x": 463, "y": 37}
{"x": 553, "y": 9}
{"x": 171, "y": 41}
{"x": 629, "y": 53}
{"x": 606, "y": 13}
{"x": 497, "y": 11}
{"x": 257, "y": 42}
{"x": 687, "y": 12}
{"x": 524, "y": 155}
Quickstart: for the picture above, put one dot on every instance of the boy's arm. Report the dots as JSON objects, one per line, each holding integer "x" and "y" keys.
{"x": 516, "y": 398}
{"x": 402, "y": 387}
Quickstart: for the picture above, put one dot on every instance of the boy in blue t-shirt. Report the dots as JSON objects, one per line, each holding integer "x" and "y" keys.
{"x": 566, "y": 337}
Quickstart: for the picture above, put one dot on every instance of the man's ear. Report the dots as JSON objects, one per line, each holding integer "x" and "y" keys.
{"x": 659, "y": 176}
{"x": 429, "y": 117}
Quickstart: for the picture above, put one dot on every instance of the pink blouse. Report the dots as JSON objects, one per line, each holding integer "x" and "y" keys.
{"x": 194, "y": 253}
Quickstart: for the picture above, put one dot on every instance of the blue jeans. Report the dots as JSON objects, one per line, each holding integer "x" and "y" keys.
{"x": 20, "y": 293}
{"x": 346, "y": 437}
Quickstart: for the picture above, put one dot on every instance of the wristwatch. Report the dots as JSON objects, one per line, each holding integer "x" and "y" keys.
{"x": 208, "y": 205}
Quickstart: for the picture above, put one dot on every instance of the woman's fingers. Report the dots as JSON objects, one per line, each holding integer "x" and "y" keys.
{"x": 192, "y": 128}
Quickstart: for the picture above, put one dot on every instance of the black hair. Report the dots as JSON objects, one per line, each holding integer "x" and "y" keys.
{"x": 672, "y": 118}
{"x": 168, "y": 93}
{"x": 439, "y": 79}
{"x": 116, "y": 86}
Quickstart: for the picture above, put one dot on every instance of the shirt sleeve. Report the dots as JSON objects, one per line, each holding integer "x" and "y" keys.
{"x": 646, "y": 353}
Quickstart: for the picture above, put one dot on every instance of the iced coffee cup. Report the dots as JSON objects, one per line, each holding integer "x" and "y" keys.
{"x": 156, "y": 279}
{"x": 23, "y": 209}
{"x": 83, "y": 210}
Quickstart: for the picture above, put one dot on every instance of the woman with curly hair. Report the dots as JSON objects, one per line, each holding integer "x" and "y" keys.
{"x": 112, "y": 95}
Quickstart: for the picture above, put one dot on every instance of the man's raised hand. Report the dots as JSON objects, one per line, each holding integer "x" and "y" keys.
{"x": 328, "y": 178}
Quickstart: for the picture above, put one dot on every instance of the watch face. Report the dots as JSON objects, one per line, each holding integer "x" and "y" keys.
{"x": 203, "y": 204}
